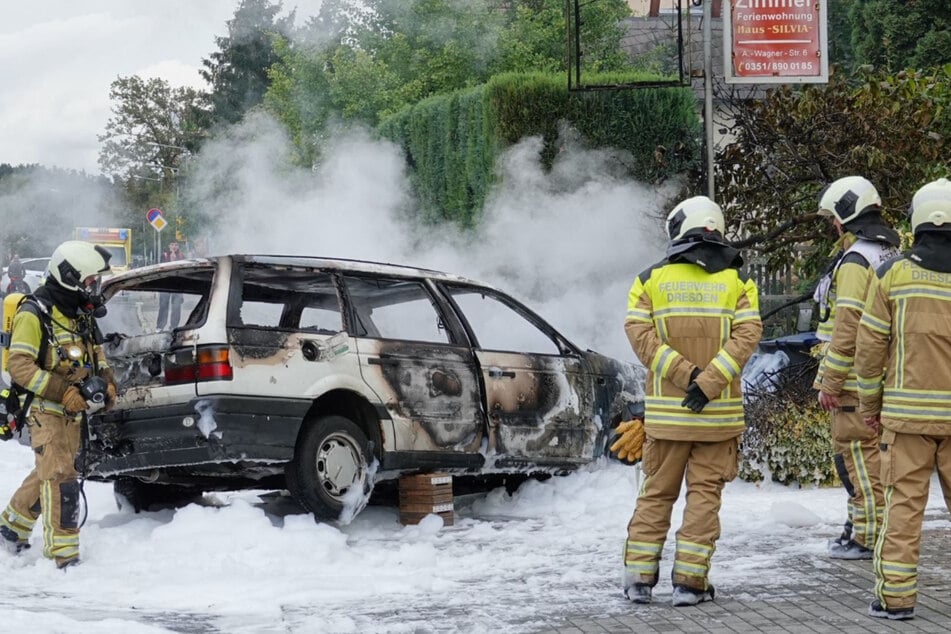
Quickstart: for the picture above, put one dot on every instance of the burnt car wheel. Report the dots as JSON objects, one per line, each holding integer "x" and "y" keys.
{"x": 329, "y": 470}
{"x": 142, "y": 496}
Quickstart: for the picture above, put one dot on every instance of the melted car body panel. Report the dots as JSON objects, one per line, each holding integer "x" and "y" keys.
{"x": 431, "y": 392}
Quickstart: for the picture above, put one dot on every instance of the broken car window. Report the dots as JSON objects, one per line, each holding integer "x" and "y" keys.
{"x": 498, "y": 326}
{"x": 159, "y": 304}
{"x": 290, "y": 298}
{"x": 395, "y": 309}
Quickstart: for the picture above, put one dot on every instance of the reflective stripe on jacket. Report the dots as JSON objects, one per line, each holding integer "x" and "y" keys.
{"x": 681, "y": 317}
{"x": 906, "y": 330}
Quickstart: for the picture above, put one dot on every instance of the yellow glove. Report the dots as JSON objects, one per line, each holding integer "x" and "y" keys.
{"x": 73, "y": 401}
{"x": 630, "y": 443}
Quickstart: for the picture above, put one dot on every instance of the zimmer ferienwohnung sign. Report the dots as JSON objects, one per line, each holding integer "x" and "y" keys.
{"x": 775, "y": 41}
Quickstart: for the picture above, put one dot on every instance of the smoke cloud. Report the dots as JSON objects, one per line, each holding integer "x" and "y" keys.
{"x": 567, "y": 242}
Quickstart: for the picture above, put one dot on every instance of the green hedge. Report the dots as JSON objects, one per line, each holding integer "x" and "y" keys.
{"x": 452, "y": 141}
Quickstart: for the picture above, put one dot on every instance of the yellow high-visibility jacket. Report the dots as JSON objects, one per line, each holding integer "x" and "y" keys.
{"x": 906, "y": 329}
{"x": 851, "y": 279}
{"x": 49, "y": 378}
{"x": 681, "y": 317}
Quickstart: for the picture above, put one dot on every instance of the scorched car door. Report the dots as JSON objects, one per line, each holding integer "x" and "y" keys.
{"x": 535, "y": 391}
{"x": 427, "y": 381}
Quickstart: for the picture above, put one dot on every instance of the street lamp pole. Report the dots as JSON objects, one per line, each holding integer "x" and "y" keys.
{"x": 708, "y": 92}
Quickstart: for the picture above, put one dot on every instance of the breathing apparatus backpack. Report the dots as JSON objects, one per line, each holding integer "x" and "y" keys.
{"x": 12, "y": 409}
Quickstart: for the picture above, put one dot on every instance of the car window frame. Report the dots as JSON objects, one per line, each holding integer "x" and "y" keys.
{"x": 236, "y": 299}
{"x": 562, "y": 343}
{"x": 458, "y": 336}
{"x": 135, "y": 283}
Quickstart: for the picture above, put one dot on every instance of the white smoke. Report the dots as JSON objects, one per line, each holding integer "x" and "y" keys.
{"x": 567, "y": 242}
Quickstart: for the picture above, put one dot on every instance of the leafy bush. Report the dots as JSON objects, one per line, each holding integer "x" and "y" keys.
{"x": 452, "y": 141}
{"x": 788, "y": 437}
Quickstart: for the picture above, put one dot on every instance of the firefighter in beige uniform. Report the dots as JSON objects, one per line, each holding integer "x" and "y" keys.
{"x": 905, "y": 330}
{"x": 855, "y": 207}
{"x": 58, "y": 318}
{"x": 693, "y": 321}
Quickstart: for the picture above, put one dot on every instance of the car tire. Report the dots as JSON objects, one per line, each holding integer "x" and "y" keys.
{"x": 143, "y": 496}
{"x": 329, "y": 460}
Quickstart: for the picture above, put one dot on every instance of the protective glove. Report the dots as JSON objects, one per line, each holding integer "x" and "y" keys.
{"x": 73, "y": 401}
{"x": 111, "y": 394}
{"x": 695, "y": 400}
{"x": 629, "y": 445}
{"x": 694, "y": 374}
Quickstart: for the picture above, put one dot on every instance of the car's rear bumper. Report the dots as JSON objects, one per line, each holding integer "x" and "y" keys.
{"x": 207, "y": 430}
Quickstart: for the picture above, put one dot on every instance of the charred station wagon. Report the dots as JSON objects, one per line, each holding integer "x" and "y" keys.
{"x": 323, "y": 376}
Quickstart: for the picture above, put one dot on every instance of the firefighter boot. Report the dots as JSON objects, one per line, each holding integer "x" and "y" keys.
{"x": 879, "y": 611}
{"x": 685, "y": 595}
{"x": 638, "y": 593}
{"x": 12, "y": 541}
{"x": 851, "y": 550}
{"x": 66, "y": 562}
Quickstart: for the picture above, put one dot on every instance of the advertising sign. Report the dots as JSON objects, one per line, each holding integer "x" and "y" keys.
{"x": 775, "y": 41}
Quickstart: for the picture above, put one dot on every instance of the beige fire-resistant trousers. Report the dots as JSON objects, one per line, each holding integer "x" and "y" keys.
{"x": 908, "y": 460}
{"x": 707, "y": 466}
{"x": 858, "y": 465}
{"x": 51, "y": 490}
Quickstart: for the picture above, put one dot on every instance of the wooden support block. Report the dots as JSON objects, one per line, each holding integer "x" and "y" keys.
{"x": 426, "y": 493}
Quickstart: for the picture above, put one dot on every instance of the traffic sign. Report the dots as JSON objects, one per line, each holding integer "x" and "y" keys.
{"x": 156, "y": 219}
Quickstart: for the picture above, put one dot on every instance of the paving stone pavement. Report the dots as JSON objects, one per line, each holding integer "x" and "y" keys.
{"x": 836, "y": 602}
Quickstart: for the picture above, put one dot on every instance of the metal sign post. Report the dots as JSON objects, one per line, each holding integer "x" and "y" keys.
{"x": 158, "y": 222}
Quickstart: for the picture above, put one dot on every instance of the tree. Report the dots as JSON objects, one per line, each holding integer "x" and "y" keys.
{"x": 154, "y": 128}
{"x": 238, "y": 70}
{"x": 892, "y": 129}
{"x": 898, "y": 34}
{"x": 364, "y": 60}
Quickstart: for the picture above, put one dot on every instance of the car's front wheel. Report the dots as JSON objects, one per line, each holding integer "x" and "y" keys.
{"x": 329, "y": 473}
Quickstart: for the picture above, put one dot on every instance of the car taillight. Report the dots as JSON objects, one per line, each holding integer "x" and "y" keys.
{"x": 205, "y": 364}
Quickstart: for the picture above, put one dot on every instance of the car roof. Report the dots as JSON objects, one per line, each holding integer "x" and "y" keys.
{"x": 325, "y": 263}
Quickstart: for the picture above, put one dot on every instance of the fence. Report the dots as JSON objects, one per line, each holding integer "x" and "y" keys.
{"x": 776, "y": 288}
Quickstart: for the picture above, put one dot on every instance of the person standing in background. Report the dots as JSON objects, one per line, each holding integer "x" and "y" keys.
{"x": 855, "y": 208}
{"x": 693, "y": 321}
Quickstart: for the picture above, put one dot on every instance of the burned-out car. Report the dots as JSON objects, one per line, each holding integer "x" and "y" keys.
{"x": 323, "y": 376}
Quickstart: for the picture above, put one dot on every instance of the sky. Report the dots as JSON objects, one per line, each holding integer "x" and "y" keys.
{"x": 60, "y": 56}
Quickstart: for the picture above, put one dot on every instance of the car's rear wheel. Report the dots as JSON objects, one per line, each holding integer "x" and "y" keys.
{"x": 143, "y": 496}
{"x": 329, "y": 473}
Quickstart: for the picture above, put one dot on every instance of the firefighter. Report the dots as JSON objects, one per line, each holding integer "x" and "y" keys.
{"x": 903, "y": 363}
{"x": 693, "y": 321}
{"x": 865, "y": 241}
{"x": 57, "y": 366}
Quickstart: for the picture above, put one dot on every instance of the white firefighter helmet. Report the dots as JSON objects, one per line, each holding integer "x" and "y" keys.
{"x": 931, "y": 207}
{"x": 848, "y": 198}
{"x": 696, "y": 215}
{"x": 74, "y": 261}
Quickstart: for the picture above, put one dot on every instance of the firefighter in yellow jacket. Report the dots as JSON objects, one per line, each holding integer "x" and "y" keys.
{"x": 903, "y": 362}
{"x": 57, "y": 365}
{"x": 866, "y": 242}
{"x": 693, "y": 321}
